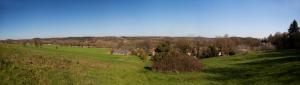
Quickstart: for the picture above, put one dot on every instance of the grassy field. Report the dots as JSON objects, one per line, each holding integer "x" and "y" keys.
{"x": 95, "y": 66}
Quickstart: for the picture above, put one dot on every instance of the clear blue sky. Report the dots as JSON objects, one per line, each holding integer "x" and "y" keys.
{"x": 21, "y": 19}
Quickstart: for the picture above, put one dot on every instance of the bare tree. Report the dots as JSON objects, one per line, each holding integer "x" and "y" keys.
{"x": 37, "y": 42}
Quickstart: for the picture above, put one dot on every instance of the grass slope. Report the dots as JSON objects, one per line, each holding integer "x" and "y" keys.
{"x": 80, "y": 66}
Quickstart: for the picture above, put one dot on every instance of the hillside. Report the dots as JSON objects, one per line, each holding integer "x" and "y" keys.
{"x": 81, "y": 66}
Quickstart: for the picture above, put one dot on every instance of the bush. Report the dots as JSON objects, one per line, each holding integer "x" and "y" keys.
{"x": 174, "y": 61}
{"x": 231, "y": 52}
{"x": 142, "y": 54}
{"x": 210, "y": 51}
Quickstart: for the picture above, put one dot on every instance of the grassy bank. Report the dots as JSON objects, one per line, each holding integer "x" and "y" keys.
{"x": 81, "y": 66}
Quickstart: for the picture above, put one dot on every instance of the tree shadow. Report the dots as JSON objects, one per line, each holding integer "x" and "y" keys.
{"x": 148, "y": 68}
{"x": 281, "y": 67}
{"x": 280, "y": 53}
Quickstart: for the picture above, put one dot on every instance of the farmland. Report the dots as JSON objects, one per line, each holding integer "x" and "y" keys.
{"x": 95, "y": 66}
{"x": 149, "y": 42}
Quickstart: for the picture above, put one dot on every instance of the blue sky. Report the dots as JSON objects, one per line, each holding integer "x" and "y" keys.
{"x": 21, "y": 19}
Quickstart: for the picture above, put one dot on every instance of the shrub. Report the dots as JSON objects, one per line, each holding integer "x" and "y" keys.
{"x": 142, "y": 54}
{"x": 210, "y": 51}
{"x": 174, "y": 61}
{"x": 231, "y": 52}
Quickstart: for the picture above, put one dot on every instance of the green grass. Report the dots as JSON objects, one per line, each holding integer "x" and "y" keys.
{"x": 95, "y": 66}
{"x": 260, "y": 68}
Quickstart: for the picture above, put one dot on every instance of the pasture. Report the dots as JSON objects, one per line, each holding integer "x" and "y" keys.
{"x": 95, "y": 66}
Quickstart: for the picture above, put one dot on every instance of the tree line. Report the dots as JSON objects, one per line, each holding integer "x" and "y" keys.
{"x": 168, "y": 54}
{"x": 286, "y": 40}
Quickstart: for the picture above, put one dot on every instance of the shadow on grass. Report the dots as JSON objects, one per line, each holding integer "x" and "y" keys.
{"x": 280, "y": 67}
{"x": 148, "y": 68}
{"x": 280, "y": 53}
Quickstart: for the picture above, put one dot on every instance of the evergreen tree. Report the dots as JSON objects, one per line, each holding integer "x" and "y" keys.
{"x": 294, "y": 35}
{"x": 294, "y": 29}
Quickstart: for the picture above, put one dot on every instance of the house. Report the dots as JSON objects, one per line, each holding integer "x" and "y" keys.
{"x": 120, "y": 52}
{"x": 152, "y": 51}
{"x": 220, "y": 54}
